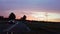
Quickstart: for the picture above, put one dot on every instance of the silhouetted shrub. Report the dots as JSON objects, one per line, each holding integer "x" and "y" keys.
{"x": 1, "y": 17}
{"x": 24, "y": 17}
{"x": 12, "y": 16}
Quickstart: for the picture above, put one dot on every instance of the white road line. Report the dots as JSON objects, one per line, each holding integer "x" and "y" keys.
{"x": 27, "y": 27}
{"x": 11, "y": 27}
{"x": 15, "y": 25}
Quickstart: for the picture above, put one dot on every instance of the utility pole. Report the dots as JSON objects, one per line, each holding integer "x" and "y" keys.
{"x": 46, "y": 14}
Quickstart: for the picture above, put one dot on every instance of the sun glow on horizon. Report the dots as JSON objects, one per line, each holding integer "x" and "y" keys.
{"x": 37, "y": 15}
{"x": 41, "y": 16}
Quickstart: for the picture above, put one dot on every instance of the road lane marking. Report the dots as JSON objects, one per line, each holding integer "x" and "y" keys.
{"x": 16, "y": 24}
{"x": 11, "y": 27}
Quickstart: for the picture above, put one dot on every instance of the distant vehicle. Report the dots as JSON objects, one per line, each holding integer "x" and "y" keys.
{"x": 11, "y": 21}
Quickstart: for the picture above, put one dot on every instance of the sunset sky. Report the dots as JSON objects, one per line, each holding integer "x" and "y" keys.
{"x": 33, "y": 9}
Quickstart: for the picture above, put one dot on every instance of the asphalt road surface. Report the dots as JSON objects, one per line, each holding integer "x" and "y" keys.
{"x": 18, "y": 27}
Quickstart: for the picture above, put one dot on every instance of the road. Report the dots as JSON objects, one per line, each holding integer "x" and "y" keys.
{"x": 20, "y": 26}
{"x": 17, "y": 27}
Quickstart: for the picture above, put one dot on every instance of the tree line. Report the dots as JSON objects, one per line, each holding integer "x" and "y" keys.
{"x": 12, "y": 16}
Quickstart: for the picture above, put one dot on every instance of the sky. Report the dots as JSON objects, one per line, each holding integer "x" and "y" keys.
{"x": 33, "y": 9}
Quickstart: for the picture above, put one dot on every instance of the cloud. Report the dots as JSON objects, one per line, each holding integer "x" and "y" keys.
{"x": 21, "y": 4}
{"x": 7, "y": 5}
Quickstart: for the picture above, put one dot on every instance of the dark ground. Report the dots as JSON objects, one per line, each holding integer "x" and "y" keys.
{"x": 28, "y": 27}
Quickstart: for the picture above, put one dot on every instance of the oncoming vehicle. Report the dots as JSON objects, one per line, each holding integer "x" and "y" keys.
{"x": 11, "y": 21}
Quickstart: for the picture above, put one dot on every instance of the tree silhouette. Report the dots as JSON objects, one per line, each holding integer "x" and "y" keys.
{"x": 24, "y": 17}
{"x": 1, "y": 17}
{"x": 12, "y": 16}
